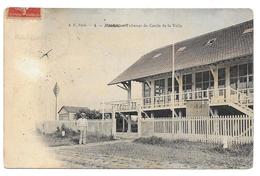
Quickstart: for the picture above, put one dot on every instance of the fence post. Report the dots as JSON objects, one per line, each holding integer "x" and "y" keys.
{"x": 207, "y": 126}
{"x": 189, "y": 126}
{"x": 180, "y": 125}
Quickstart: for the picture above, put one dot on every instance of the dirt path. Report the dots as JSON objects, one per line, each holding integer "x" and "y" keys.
{"x": 127, "y": 154}
{"x": 85, "y": 156}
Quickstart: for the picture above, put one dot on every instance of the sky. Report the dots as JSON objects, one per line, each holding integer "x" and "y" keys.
{"x": 86, "y": 56}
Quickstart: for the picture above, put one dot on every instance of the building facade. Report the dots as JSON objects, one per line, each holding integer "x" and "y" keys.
{"x": 213, "y": 75}
{"x": 67, "y": 113}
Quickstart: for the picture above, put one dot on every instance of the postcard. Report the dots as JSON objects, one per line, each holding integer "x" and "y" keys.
{"x": 128, "y": 88}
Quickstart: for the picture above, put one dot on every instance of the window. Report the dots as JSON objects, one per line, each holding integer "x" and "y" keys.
{"x": 169, "y": 89}
{"x": 176, "y": 86}
{"x": 157, "y": 55}
{"x": 241, "y": 76}
{"x": 221, "y": 78}
{"x": 204, "y": 80}
{"x": 248, "y": 30}
{"x": 210, "y": 42}
{"x": 181, "y": 49}
{"x": 250, "y": 75}
{"x": 187, "y": 82}
{"x": 147, "y": 90}
{"x": 159, "y": 87}
{"x": 198, "y": 79}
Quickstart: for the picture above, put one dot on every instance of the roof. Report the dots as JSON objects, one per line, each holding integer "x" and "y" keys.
{"x": 73, "y": 109}
{"x": 213, "y": 47}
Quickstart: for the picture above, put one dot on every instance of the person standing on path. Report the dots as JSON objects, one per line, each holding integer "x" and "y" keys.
{"x": 82, "y": 124}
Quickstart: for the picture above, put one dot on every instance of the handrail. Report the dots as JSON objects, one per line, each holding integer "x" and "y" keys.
{"x": 219, "y": 95}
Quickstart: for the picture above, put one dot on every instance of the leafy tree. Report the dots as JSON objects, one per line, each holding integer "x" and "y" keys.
{"x": 91, "y": 114}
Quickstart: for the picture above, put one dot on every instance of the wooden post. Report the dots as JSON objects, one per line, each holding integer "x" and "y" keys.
{"x": 180, "y": 89}
{"x": 165, "y": 98}
{"x": 193, "y": 88}
{"x": 139, "y": 121}
{"x": 214, "y": 72}
{"x": 129, "y": 90}
{"x": 216, "y": 124}
{"x": 227, "y": 82}
{"x": 152, "y": 93}
{"x": 129, "y": 123}
{"x": 129, "y": 96}
{"x": 173, "y": 78}
{"x": 216, "y": 93}
{"x": 123, "y": 129}
{"x": 152, "y": 117}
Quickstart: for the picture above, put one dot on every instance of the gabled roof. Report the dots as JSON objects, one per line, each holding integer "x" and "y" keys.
{"x": 73, "y": 109}
{"x": 213, "y": 47}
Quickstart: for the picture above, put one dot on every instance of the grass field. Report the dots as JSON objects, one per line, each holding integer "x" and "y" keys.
{"x": 71, "y": 138}
{"x": 165, "y": 154}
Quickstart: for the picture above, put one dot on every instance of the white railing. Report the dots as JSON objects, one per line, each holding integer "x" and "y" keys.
{"x": 240, "y": 97}
{"x": 218, "y": 129}
{"x": 215, "y": 96}
{"x": 126, "y": 104}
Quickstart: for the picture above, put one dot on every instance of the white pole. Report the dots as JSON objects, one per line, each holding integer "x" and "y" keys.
{"x": 173, "y": 80}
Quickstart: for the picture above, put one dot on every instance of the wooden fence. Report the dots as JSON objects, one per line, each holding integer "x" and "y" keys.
{"x": 94, "y": 126}
{"x": 218, "y": 129}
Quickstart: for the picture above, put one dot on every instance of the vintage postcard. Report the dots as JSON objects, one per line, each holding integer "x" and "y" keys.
{"x": 128, "y": 88}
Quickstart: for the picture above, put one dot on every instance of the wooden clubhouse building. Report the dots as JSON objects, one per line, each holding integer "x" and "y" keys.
{"x": 213, "y": 75}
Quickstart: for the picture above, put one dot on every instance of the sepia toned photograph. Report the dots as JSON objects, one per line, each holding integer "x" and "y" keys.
{"x": 128, "y": 88}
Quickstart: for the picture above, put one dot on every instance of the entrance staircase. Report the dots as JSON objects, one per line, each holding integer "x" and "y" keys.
{"x": 240, "y": 101}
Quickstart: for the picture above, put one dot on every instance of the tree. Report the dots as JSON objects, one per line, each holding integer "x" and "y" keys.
{"x": 91, "y": 114}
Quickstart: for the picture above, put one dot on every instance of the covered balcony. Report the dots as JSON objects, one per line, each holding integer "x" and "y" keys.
{"x": 215, "y": 97}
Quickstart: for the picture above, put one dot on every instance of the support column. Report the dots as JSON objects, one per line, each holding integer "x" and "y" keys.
{"x": 129, "y": 90}
{"x": 216, "y": 122}
{"x": 166, "y": 86}
{"x": 123, "y": 129}
{"x": 152, "y": 93}
{"x": 129, "y": 96}
{"x": 180, "y": 113}
{"x": 180, "y": 90}
{"x": 129, "y": 124}
{"x": 139, "y": 121}
{"x": 173, "y": 78}
{"x": 166, "y": 100}
{"x": 193, "y": 88}
{"x": 227, "y": 82}
{"x": 215, "y": 77}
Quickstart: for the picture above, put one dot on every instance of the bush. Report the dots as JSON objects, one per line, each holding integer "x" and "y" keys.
{"x": 151, "y": 140}
{"x": 236, "y": 149}
{"x": 68, "y": 132}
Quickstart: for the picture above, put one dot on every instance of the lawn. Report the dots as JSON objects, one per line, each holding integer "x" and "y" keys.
{"x": 138, "y": 154}
{"x": 71, "y": 138}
